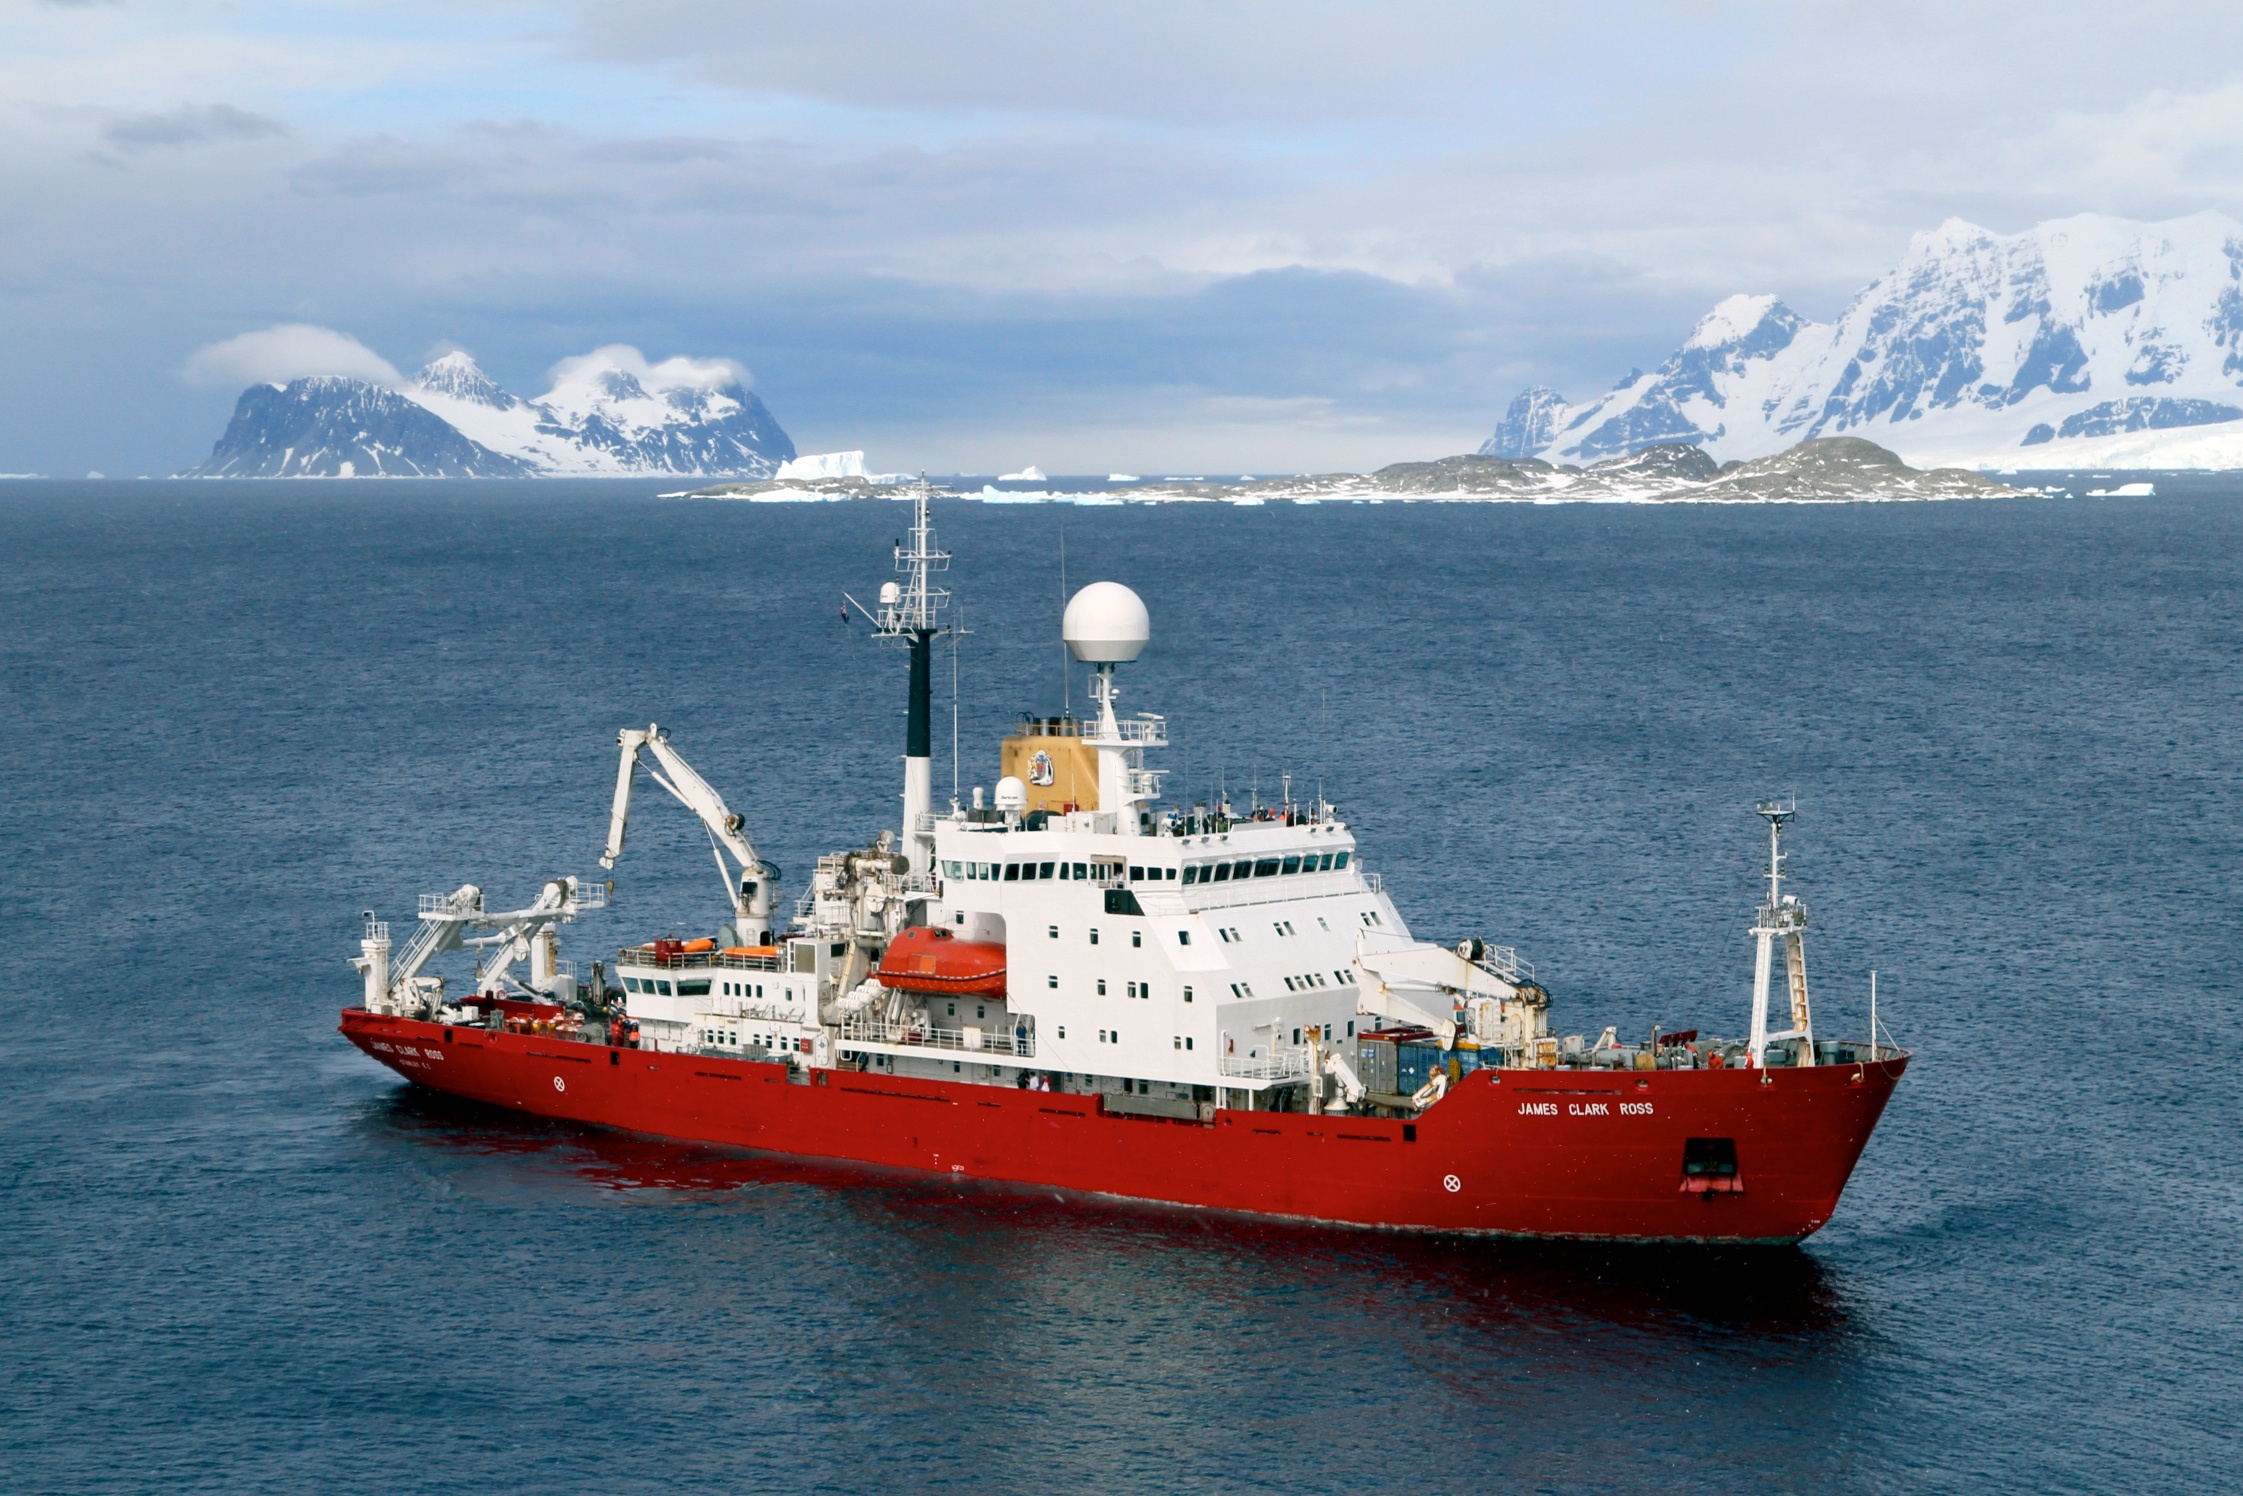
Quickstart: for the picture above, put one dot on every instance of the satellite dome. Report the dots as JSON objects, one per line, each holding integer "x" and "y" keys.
{"x": 1106, "y": 624}
{"x": 891, "y": 593}
{"x": 1012, "y": 794}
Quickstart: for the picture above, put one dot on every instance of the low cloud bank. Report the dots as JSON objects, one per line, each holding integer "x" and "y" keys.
{"x": 290, "y": 350}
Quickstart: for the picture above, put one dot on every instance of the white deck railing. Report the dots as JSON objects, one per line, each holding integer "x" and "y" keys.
{"x": 1017, "y": 1039}
{"x": 1281, "y": 1063}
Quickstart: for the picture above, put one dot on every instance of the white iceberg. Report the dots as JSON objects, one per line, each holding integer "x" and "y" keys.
{"x": 1029, "y": 474}
{"x": 823, "y": 465}
{"x": 1122, "y": 478}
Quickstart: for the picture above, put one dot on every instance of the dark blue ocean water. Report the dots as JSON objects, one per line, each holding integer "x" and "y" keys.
{"x": 241, "y": 1258}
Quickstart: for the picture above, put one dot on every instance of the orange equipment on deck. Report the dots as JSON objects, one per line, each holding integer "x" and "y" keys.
{"x": 924, "y": 959}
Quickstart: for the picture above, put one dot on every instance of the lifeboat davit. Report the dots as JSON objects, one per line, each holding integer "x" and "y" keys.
{"x": 925, "y": 959}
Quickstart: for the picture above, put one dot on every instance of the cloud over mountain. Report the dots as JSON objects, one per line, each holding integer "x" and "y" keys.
{"x": 285, "y": 352}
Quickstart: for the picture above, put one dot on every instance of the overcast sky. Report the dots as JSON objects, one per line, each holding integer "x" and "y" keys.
{"x": 1157, "y": 237}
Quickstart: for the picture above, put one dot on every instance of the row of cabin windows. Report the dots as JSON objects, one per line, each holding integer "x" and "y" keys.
{"x": 1314, "y": 979}
{"x": 656, "y": 987}
{"x": 1264, "y": 867}
{"x": 775, "y": 1043}
{"x": 1350, "y": 1033}
{"x": 1138, "y": 990}
{"x": 1178, "y": 1041}
{"x": 1136, "y": 937}
{"x": 1029, "y": 872}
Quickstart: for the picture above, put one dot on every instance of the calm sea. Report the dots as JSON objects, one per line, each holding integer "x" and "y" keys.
{"x": 239, "y": 1257}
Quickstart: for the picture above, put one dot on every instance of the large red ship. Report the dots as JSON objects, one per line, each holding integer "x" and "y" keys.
{"x": 1070, "y": 987}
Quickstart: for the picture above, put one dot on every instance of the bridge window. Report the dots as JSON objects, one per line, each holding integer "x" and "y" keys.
{"x": 664, "y": 986}
{"x": 1191, "y": 875}
{"x": 1044, "y": 870}
{"x": 1266, "y": 868}
{"x": 1222, "y": 872}
{"x": 1012, "y": 872}
{"x": 1136, "y": 875}
{"x": 1339, "y": 860}
{"x": 1293, "y": 864}
{"x": 1081, "y": 871}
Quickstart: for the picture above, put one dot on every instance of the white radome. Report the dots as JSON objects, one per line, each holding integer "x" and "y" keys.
{"x": 1012, "y": 794}
{"x": 1106, "y": 624}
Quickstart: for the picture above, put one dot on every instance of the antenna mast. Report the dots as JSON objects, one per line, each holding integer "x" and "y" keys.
{"x": 1782, "y": 917}
{"x": 911, "y": 614}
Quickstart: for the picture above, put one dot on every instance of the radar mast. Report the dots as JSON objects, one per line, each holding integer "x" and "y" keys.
{"x": 911, "y": 613}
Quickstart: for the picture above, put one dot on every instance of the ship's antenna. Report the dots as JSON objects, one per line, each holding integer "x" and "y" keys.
{"x": 954, "y": 718}
{"x": 1781, "y": 920}
{"x": 911, "y": 614}
{"x": 1066, "y": 676}
{"x": 1872, "y": 1012}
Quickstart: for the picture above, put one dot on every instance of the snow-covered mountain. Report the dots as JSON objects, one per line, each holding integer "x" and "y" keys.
{"x": 2085, "y": 342}
{"x": 609, "y": 413}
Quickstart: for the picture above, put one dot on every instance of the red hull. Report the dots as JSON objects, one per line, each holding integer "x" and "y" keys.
{"x": 1512, "y": 1152}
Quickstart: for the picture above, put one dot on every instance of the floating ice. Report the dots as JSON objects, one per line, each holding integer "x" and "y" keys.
{"x": 823, "y": 465}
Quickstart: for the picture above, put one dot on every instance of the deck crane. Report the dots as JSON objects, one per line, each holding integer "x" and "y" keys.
{"x": 446, "y": 919}
{"x": 751, "y": 890}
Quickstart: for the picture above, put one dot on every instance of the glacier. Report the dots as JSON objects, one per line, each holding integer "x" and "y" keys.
{"x": 609, "y": 413}
{"x": 2089, "y": 341}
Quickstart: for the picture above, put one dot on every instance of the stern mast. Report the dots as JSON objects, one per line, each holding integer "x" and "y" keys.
{"x": 1782, "y": 917}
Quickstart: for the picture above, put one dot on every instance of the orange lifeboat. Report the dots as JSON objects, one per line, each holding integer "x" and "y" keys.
{"x": 925, "y": 959}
